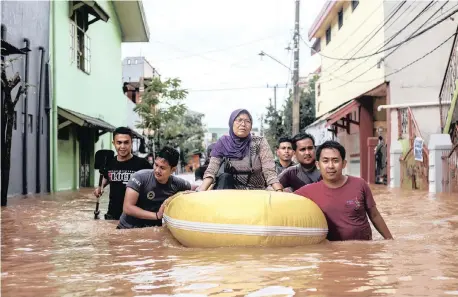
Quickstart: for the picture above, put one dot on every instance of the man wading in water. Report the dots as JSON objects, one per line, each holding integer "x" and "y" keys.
{"x": 119, "y": 170}
{"x": 285, "y": 154}
{"x": 344, "y": 200}
{"x": 148, "y": 189}
{"x": 305, "y": 172}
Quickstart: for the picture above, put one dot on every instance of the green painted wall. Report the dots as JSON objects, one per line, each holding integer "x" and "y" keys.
{"x": 68, "y": 160}
{"x": 98, "y": 94}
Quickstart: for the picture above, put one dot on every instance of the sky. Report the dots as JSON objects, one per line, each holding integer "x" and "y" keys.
{"x": 213, "y": 47}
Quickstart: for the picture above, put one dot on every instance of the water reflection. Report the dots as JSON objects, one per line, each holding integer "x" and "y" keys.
{"x": 51, "y": 246}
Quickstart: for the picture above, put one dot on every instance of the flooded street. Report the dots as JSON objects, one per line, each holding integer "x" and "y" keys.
{"x": 51, "y": 246}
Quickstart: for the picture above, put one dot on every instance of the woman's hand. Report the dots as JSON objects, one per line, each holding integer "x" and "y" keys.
{"x": 277, "y": 187}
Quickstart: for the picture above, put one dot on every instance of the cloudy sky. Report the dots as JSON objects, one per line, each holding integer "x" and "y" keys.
{"x": 213, "y": 47}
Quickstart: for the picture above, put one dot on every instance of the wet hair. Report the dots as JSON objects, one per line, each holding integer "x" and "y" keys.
{"x": 122, "y": 130}
{"x": 169, "y": 154}
{"x": 283, "y": 139}
{"x": 301, "y": 136}
{"x": 330, "y": 144}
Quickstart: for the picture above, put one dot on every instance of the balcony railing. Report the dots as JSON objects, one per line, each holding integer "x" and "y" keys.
{"x": 449, "y": 83}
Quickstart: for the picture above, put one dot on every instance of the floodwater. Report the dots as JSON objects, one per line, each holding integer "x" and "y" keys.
{"x": 51, "y": 246}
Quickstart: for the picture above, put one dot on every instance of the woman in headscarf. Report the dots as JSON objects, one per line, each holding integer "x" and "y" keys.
{"x": 246, "y": 160}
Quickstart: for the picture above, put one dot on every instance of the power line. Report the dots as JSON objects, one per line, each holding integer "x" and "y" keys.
{"x": 431, "y": 3}
{"x": 411, "y": 63}
{"x": 410, "y": 38}
{"x": 354, "y": 31}
{"x": 329, "y": 69}
{"x": 221, "y": 49}
{"x": 339, "y": 77}
{"x": 395, "y": 49}
{"x": 380, "y": 50}
{"x": 404, "y": 41}
{"x": 233, "y": 89}
{"x": 393, "y": 13}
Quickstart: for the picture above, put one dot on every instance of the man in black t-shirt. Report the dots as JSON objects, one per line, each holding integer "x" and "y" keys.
{"x": 148, "y": 189}
{"x": 119, "y": 171}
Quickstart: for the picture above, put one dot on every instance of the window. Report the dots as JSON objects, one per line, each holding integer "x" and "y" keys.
{"x": 128, "y": 61}
{"x": 136, "y": 61}
{"x": 80, "y": 45}
{"x": 316, "y": 47}
{"x": 354, "y": 4}
{"x": 340, "y": 18}
{"x": 328, "y": 35}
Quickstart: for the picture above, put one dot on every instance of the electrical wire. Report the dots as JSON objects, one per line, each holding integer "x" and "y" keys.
{"x": 330, "y": 71}
{"x": 232, "y": 89}
{"x": 395, "y": 49}
{"x": 411, "y": 63}
{"x": 381, "y": 49}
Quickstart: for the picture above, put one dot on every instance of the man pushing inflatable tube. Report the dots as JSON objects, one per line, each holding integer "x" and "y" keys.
{"x": 244, "y": 218}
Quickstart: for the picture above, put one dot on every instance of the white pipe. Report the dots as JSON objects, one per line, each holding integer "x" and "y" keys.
{"x": 405, "y": 105}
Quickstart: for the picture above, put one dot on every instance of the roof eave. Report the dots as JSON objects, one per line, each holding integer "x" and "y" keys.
{"x": 132, "y": 20}
{"x": 327, "y": 7}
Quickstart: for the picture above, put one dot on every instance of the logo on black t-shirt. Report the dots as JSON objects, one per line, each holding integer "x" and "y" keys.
{"x": 150, "y": 195}
{"x": 120, "y": 175}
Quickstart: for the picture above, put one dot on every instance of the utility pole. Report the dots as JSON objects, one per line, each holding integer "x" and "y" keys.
{"x": 275, "y": 95}
{"x": 296, "y": 90}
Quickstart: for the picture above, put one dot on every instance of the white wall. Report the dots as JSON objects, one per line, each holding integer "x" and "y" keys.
{"x": 422, "y": 81}
{"x": 319, "y": 132}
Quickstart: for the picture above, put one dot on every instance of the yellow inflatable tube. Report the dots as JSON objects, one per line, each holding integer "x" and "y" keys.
{"x": 244, "y": 218}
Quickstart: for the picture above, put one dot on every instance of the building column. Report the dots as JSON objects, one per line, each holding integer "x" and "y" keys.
{"x": 438, "y": 146}
{"x": 395, "y": 165}
{"x": 371, "y": 144}
{"x": 365, "y": 131}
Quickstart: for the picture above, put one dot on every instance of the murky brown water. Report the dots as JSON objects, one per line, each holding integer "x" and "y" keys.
{"x": 51, "y": 246}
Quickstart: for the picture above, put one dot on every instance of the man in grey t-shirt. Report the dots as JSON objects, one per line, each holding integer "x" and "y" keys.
{"x": 148, "y": 189}
{"x": 305, "y": 172}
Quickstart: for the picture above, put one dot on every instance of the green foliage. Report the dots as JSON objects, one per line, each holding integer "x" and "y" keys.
{"x": 162, "y": 110}
{"x": 161, "y": 103}
{"x": 186, "y": 132}
{"x": 275, "y": 125}
{"x": 280, "y": 122}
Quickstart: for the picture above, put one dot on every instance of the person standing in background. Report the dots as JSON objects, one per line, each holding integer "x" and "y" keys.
{"x": 119, "y": 171}
{"x": 285, "y": 154}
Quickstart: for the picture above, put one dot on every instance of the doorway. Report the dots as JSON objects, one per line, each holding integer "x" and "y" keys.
{"x": 86, "y": 148}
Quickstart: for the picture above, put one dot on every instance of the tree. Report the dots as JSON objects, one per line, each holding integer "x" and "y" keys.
{"x": 185, "y": 132}
{"x": 275, "y": 129}
{"x": 306, "y": 109}
{"x": 8, "y": 104}
{"x": 161, "y": 103}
